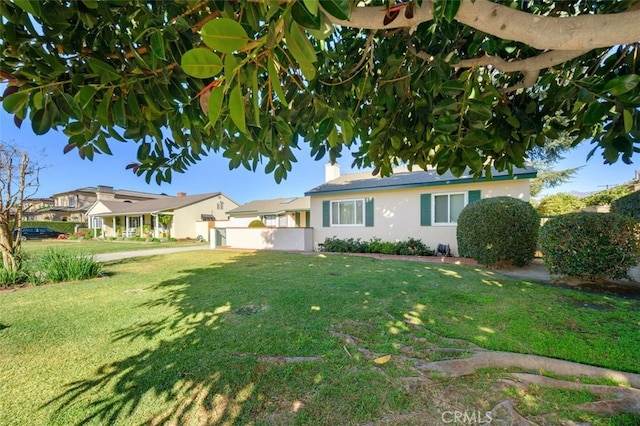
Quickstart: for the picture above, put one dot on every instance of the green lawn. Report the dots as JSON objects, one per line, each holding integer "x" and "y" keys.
{"x": 95, "y": 246}
{"x": 218, "y": 337}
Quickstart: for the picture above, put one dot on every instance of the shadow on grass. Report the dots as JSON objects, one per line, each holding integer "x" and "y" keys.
{"x": 186, "y": 373}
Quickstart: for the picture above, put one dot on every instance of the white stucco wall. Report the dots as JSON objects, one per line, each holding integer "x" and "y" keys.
{"x": 397, "y": 212}
{"x": 289, "y": 239}
{"x": 185, "y": 218}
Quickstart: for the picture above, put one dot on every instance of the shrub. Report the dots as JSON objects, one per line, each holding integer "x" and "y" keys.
{"x": 590, "y": 245}
{"x": 608, "y": 196}
{"x": 559, "y": 204}
{"x": 58, "y": 266}
{"x": 628, "y": 205}
{"x": 498, "y": 230}
{"x": 411, "y": 247}
{"x": 256, "y": 223}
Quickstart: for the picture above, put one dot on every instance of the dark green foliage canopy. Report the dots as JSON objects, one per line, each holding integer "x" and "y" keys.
{"x": 508, "y": 232}
{"x": 426, "y": 82}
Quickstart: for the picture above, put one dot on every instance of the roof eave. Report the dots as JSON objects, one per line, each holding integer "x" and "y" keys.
{"x": 522, "y": 176}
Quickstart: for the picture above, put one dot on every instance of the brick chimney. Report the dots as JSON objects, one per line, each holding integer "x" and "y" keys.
{"x": 182, "y": 194}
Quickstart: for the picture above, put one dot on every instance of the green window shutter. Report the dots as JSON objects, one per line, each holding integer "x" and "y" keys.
{"x": 326, "y": 214}
{"x": 307, "y": 219}
{"x": 474, "y": 196}
{"x": 368, "y": 212}
{"x": 297, "y": 219}
{"x": 425, "y": 209}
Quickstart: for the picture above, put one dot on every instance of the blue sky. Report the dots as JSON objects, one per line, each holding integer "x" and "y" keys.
{"x": 67, "y": 171}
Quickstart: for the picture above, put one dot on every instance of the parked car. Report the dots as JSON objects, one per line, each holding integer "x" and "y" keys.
{"x": 38, "y": 233}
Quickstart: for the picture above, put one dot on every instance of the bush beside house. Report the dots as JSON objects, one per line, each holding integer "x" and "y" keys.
{"x": 590, "y": 246}
{"x": 410, "y": 247}
{"x": 498, "y": 230}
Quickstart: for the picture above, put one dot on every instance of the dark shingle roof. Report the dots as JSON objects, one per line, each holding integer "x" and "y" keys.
{"x": 402, "y": 178}
{"x": 154, "y": 206}
{"x": 274, "y": 206}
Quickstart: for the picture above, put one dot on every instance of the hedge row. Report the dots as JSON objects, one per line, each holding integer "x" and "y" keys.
{"x": 410, "y": 247}
{"x": 66, "y": 227}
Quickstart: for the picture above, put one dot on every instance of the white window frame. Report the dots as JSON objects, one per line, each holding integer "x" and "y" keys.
{"x": 283, "y": 221}
{"x": 354, "y": 201}
{"x": 448, "y": 194}
{"x": 97, "y": 222}
{"x": 270, "y": 220}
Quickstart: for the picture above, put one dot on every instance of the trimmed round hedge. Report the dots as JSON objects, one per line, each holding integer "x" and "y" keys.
{"x": 256, "y": 223}
{"x": 590, "y": 245}
{"x": 498, "y": 230}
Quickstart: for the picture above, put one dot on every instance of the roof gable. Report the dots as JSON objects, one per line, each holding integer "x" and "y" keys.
{"x": 403, "y": 178}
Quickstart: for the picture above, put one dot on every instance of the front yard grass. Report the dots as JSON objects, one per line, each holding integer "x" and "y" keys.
{"x": 213, "y": 337}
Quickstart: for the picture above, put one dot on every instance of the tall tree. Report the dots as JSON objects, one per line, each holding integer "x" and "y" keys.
{"x": 18, "y": 181}
{"x": 544, "y": 159}
{"x": 448, "y": 83}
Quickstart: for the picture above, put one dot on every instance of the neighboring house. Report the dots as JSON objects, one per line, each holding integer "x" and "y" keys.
{"x": 280, "y": 212}
{"x": 32, "y": 208}
{"x": 72, "y": 206}
{"x": 418, "y": 204}
{"x": 178, "y": 217}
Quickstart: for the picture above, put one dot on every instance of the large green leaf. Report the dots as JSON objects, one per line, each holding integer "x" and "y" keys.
{"x": 623, "y": 84}
{"x": 84, "y": 97}
{"x": 236, "y": 108}
{"x": 275, "y": 80}
{"x": 594, "y": 114}
{"x": 41, "y": 121}
{"x": 224, "y": 35}
{"x": 341, "y": 9}
{"x": 157, "y": 45}
{"x": 215, "y": 104}
{"x": 106, "y": 72}
{"x": 304, "y": 17}
{"x": 299, "y": 45}
{"x": 201, "y": 63}
{"x": 15, "y": 102}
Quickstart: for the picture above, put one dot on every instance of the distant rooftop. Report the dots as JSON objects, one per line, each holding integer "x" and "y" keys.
{"x": 118, "y": 192}
{"x": 272, "y": 207}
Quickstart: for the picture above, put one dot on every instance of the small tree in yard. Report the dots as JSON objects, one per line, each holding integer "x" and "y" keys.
{"x": 18, "y": 180}
{"x": 498, "y": 230}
